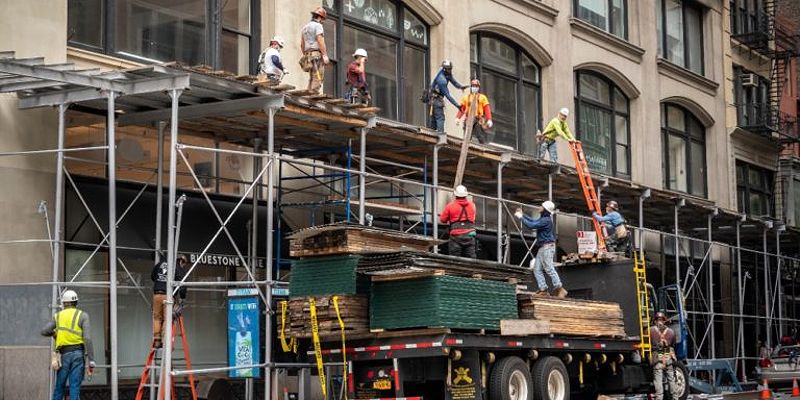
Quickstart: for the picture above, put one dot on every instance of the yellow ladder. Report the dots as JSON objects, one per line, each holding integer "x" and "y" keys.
{"x": 643, "y": 299}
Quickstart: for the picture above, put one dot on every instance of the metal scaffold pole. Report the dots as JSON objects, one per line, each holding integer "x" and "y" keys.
{"x": 710, "y": 282}
{"x": 269, "y": 278}
{"x": 739, "y": 281}
{"x": 362, "y": 179}
{"x": 678, "y": 205}
{"x": 159, "y": 189}
{"x": 778, "y": 286}
{"x": 768, "y": 313}
{"x": 112, "y": 243}
{"x": 59, "y": 208}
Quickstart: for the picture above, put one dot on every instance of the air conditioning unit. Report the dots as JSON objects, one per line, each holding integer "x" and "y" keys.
{"x": 749, "y": 80}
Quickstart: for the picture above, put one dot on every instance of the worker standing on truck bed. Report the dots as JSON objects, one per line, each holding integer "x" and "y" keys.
{"x": 662, "y": 340}
{"x": 438, "y": 92}
{"x": 159, "y": 277}
{"x": 460, "y": 214}
{"x": 545, "y": 257}
{"x": 70, "y": 328}
{"x": 483, "y": 112}
{"x": 557, "y": 127}
{"x": 270, "y": 63}
{"x": 357, "y": 90}
{"x": 617, "y": 239}
{"x": 312, "y": 46}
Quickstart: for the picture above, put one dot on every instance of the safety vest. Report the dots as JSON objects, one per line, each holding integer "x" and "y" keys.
{"x": 68, "y": 331}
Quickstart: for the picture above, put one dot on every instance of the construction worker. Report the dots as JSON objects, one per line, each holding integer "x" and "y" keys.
{"x": 557, "y": 127}
{"x": 270, "y": 63}
{"x": 70, "y": 328}
{"x": 460, "y": 214}
{"x": 312, "y": 46}
{"x": 617, "y": 238}
{"x": 357, "y": 91}
{"x": 159, "y": 277}
{"x": 545, "y": 257}
{"x": 662, "y": 340}
{"x": 439, "y": 91}
{"x": 483, "y": 113}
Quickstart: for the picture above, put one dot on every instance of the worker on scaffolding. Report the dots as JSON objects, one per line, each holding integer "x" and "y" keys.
{"x": 270, "y": 64}
{"x": 357, "y": 88}
{"x": 314, "y": 50}
{"x": 483, "y": 113}
{"x": 617, "y": 238}
{"x": 545, "y": 257}
{"x": 438, "y": 92}
{"x": 557, "y": 127}
{"x": 159, "y": 277}
{"x": 460, "y": 214}
{"x": 71, "y": 330}
{"x": 662, "y": 342}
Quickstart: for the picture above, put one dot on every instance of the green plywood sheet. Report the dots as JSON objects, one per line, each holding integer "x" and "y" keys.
{"x": 319, "y": 276}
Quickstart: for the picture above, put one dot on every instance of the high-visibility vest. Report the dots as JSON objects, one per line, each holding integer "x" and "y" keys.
{"x": 68, "y": 331}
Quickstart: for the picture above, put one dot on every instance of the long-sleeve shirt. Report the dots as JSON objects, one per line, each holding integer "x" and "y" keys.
{"x": 543, "y": 227}
{"x": 557, "y": 128}
{"x": 440, "y": 87}
{"x": 613, "y": 218}
{"x": 49, "y": 330}
{"x": 270, "y": 61}
{"x": 483, "y": 110}
{"x": 159, "y": 277}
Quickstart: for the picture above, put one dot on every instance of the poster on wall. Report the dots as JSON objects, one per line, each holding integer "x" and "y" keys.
{"x": 244, "y": 309}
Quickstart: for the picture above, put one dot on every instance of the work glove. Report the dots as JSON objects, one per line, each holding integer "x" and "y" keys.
{"x": 489, "y": 124}
{"x": 285, "y": 71}
{"x": 518, "y": 213}
{"x": 325, "y": 59}
{"x": 90, "y": 369}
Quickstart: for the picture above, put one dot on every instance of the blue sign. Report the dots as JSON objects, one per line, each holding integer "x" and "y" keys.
{"x": 244, "y": 309}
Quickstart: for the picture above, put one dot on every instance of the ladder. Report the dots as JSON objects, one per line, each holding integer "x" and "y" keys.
{"x": 643, "y": 301}
{"x": 150, "y": 364}
{"x": 589, "y": 193}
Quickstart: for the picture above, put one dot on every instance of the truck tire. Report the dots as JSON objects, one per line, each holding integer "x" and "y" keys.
{"x": 510, "y": 380}
{"x": 550, "y": 379}
{"x": 681, "y": 382}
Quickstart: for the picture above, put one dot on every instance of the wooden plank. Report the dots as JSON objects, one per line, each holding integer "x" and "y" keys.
{"x": 368, "y": 110}
{"x": 524, "y": 327}
{"x": 407, "y": 275}
{"x": 383, "y": 334}
{"x": 470, "y": 121}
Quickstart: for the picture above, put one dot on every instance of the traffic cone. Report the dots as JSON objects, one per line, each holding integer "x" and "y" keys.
{"x": 765, "y": 392}
{"x": 795, "y": 389}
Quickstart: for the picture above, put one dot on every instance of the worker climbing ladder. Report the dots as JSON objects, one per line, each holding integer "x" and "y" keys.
{"x": 643, "y": 301}
{"x": 589, "y": 192}
{"x": 150, "y": 364}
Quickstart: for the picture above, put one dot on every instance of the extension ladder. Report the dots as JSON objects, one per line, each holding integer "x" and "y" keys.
{"x": 151, "y": 358}
{"x": 589, "y": 193}
{"x": 643, "y": 301}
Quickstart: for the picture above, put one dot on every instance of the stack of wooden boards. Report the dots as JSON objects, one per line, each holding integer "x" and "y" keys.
{"x": 410, "y": 261}
{"x": 345, "y": 238}
{"x": 353, "y": 309}
{"x": 573, "y": 317}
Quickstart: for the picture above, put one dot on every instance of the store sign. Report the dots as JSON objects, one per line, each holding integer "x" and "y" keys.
{"x": 587, "y": 242}
{"x": 244, "y": 310}
{"x": 216, "y": 260}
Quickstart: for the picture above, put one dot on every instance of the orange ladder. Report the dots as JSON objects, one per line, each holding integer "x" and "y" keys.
{"x": 150, "y": 364}
{"x": 589, "y": 193}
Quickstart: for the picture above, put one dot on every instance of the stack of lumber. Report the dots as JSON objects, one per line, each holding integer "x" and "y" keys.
{"x": 432, "y": 299}
{"x": 346, "y": 238}
{"x": 353, "y": 310}
{"x": 318, "y": 276}
{"x": 411, "y": 261}
{"x": 573, "y": 317}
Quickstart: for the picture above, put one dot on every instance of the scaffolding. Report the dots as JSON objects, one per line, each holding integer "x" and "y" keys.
{"x": 284, "y": 128}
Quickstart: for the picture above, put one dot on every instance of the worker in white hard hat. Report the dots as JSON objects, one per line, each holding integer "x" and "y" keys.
{"x": 357, "y": 91}
{"x": 270, "y": 63}
{"x": 460, "y": 215}
{"x": 546, "y": 239}
{"x": 557, "y": 127}
{"x": 71, "y": 331}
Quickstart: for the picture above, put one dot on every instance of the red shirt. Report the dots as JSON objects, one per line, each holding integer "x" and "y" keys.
{"x": 355, "y": 78}
{"x": 460, "y": 209}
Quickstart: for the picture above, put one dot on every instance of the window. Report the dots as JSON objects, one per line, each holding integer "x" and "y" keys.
{"x": 754, "y": 190}
{"x": 603, "y": 124}
{"x": 751, "y": 92}
{"x": 748, "y": 17}
{"x": 510, "y": 78}
{"x": 164, "y": 30}
{"x": 680, "y": 33}
{"x": 608, "y": 15}
{"x": 684, "y": 151}
{"x": 796, "y": 198}
{"x": 397, "y": 67}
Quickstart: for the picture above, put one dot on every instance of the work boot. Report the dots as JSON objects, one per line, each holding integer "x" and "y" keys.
{"x": 542, "y": 293}
{"x": 560, "y": 292}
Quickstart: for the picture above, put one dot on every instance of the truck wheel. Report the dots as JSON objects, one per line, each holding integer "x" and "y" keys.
{"x": 510, "y": 380}
{"x": 550, "y": 380}
{"x": 681, "y": 389}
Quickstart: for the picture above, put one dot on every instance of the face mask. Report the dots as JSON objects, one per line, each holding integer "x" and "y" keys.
{"x": 473, "y": 89}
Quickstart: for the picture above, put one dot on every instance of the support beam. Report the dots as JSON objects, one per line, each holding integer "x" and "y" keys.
{"x": 159, "y": 191}
{"x": 506, "y": 158}
{"x": 778, "y": 286}
{"x": 442, "y": 140}
{"x": 767, "y": 309}
{"x": 207, "y": 109}
{"x": 680, "y": 203}
{"x": 362, "y": 179}
{"x": 112, "y": 243}
{"x": 58, "y": 226}
{"x": 710, "y": 288}
{"x": 739, "y": 281}
{"x": 270, "y": 212}
{"x": 642, "y": 197}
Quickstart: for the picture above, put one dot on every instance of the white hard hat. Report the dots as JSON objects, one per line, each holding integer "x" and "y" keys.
{"x": 360, "y": 52}
{"x": 564, "y": 111}
{"x": 447, "y": 64}
{"x": 460, "y": 191}
{"x": 549, "y": 206}
{"x": 69, "y": 296}
{"x": 279, "y": 40}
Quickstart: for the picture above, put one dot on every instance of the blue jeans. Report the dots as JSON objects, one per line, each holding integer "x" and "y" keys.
{"x": 72, "y": 369}
{"x": 437, "y": 115}
{"x": 547, "y": 146}
{"x": 544, "y": 261}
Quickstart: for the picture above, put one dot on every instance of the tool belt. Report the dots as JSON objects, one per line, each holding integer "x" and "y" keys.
{"x": 69, "y": 348}
{"x": 620, "y": 231}
{"x": 461, "y": 225}
{"x": 309, "y": 58}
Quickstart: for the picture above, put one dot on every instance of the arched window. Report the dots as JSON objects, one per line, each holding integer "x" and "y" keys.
{"x": 603, "y": 119}
{"x": 684, "y": 150}
{"x": 510, "y": 78}
{"x": 397, "y": 43}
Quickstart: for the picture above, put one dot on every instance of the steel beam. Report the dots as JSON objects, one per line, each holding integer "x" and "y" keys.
{"x": 362, "y": 179}
{"x": 112, "y": 243}
{"x": 505, "y": 158}
{"x": 270, "y": 213}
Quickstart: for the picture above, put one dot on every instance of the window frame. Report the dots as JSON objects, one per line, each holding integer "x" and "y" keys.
{"x": 687, "y": 139}
{"x": 685, "y": 4}
{"x": 753, "y": 21}
{"x": 742, "y": 94}
{"x": 609, "y": 3}
{"x": 745, "y": 187}
{"x": 610, "y": 107}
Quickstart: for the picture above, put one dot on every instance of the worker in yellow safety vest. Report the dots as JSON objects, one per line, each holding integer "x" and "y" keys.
{"x": 70, "y": 328}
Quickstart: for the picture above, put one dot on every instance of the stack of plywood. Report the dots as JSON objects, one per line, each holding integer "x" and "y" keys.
{"x": 573, "y": 317}
{"x": 353, "y": 309}
{"x": 346, "y": 238}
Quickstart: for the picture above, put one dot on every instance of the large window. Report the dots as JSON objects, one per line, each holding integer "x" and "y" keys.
{"x": 608, "y": 15}
{"x": 680, "y": 33}
{"x": 396, "y": 41}
{"x": 751, "y": 92}
{"x": 603, "y": 124}
{"x": 754, "y": 190}
{"x": 748, "y": 16}
{"x": 684, "y": 151}
{"x": 510, "y": 78}
{"x": 213, "y": 32}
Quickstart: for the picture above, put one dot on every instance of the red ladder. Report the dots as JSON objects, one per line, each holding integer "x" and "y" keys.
{"x": 150, "y": 363}
{"x": 589, "y": 193}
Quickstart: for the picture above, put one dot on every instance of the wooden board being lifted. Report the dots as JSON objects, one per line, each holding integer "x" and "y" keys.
{"x": 573, "y": 317}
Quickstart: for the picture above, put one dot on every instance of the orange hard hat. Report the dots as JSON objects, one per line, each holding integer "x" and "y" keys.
{"x": 321, "y": 12}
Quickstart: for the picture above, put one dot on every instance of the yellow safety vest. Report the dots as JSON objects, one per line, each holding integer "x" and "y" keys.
{"x": 68, "y": 332}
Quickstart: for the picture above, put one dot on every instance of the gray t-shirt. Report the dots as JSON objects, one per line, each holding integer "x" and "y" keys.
{"x": 310, "y": 32}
